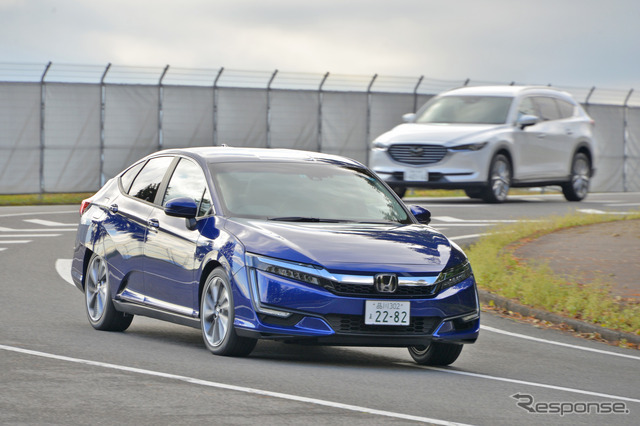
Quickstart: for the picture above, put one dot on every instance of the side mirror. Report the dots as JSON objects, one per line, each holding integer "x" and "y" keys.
{"x": 421, "y": 214}
{"x": 409, "y": 118}
{"x": 527, "y": 120}
{"x": 181, "y": 207}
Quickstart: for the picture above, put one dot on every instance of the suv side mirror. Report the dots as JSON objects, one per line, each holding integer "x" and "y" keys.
{"x": 527, "y": 120}
{"x": 409, "y": 118}
{"x": 421, "y": 214}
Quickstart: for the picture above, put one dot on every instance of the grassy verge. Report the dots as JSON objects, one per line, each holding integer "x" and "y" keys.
{"x": 499, "y": 271}
{"x": 42, "y": 199}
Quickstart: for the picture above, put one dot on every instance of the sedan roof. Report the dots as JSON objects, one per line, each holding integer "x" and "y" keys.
{"x": 226, "y": 154}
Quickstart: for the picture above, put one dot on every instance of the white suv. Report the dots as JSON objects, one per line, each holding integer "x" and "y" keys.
{"x": 487, "y": 139}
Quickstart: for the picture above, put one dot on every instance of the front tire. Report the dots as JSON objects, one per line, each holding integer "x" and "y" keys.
{"x": 100, "y": 310}
{"x": 499, "y": 180}
{"x": 436, "y": 353}
{"x": 217, "y": 315}
{"x": 578, "y": 187}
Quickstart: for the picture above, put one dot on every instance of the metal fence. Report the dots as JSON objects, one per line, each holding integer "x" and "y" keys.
{"x": 69, "y": 128}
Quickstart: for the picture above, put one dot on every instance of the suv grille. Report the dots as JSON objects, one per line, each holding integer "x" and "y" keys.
{"x": 417, "y": 153}
{"x": 354, "y": 324}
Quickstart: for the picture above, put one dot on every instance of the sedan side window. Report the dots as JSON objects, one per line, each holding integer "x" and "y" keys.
{"x": 146, "y": 184}
{"x": 189, "y": 181}
{"x": 128, "y": 176}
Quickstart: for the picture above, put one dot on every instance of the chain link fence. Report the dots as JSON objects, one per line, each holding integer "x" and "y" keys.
{"x": 69, "y": 128}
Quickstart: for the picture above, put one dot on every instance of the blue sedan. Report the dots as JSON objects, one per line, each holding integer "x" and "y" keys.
{"x": 293, "y": 246}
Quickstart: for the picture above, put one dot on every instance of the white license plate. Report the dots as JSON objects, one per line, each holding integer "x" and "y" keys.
{"x": 387, "y": 312}
{"x": 416, "y": 175}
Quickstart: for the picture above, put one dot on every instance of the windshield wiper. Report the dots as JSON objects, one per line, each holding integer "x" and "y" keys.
{"x": 304, "y": 219}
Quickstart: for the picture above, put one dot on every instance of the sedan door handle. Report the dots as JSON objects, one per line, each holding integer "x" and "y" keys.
{"x": 153, "y": 223}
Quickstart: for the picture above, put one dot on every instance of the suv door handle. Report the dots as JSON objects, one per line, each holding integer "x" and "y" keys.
{"x": 153, "y": 223}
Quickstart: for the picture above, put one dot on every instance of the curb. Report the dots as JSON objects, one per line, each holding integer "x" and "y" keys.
{"x": 579, "y": 326}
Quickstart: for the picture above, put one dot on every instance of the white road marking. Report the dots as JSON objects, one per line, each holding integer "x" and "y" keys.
{"x": 3, "y": 229}
{"x": 28, "y": 235}
{"x": 63, "y": 268}
{"x": 624, "y": 205}
{"x": 447, "y": 219}
{"x": 41, "y": 213}
{"x": 522, "y": 382}
{"x": 551, "y": 342}
{"x": 2, "y": 248}
{"x": 16, "y": 242}
{"x": 466, "y": 224}
{"x": 224, "y": 386}
{"x": 466, "y": 237}
{"x": 48, "y": 222}
{"x": 594, "y": 211}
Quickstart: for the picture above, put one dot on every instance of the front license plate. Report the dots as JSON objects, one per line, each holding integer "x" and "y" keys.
{"x": 385, "y": 312}
{"x": 416, "y": 175}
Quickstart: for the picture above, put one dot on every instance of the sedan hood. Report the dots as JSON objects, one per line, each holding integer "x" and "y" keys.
{"x": 343, "y": 248}
{"x": 446, "y": 134}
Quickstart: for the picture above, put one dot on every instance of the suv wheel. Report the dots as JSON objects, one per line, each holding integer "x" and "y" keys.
{"x": 578, "y": 186}
{"x": 499, "y": 180}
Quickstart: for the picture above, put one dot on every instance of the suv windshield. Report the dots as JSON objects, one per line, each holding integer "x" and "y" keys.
{"x": 466, "y": 110}
{"x": 304, "y": 192}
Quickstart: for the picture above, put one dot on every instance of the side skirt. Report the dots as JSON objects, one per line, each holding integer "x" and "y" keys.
{"x": 136, "y": 309}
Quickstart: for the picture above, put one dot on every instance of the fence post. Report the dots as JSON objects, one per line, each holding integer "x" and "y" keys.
{"x": 625, "y": 140}
{"x": 415, "y": 94}
{"x": 103, "y": 104}
{"x": 324, "y": 79}
{"x": 160, "y": 106}
{"x": 215, "y": 107}
{"x": 368, "y": 132}
{"x": 269, "y": 108}
{"x": 43, "y": 94}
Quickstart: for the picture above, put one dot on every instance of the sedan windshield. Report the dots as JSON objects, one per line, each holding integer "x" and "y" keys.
{"x": 466, "y": 110}
{"x": 304, "y": 192}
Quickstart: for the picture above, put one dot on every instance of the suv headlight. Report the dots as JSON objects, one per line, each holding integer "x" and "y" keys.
{"x": 379, "y": 146}
{"x": 454, "y": 274}
{"x": 468, "y": 147}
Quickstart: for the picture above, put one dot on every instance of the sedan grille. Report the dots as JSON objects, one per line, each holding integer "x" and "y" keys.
{"x": 360, "y": 290}
{"x": 354, "y": 324}
{"x": 417, "y": 154}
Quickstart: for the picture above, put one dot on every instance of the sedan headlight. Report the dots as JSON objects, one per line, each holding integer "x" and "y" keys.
{"x": 291, "y": 270}
{"x": 453, "y": 275}
{"x": 468, "y": 147}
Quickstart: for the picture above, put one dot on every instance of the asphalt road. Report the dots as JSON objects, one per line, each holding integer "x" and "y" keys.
{"x": 55, "y": 369}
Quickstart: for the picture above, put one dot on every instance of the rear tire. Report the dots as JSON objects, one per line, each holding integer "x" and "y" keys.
{"x": 217, "y": 315}
{"x": 499, "y": 180}
{"x": 100, "y": 310}
{"x": 578, "y": 187}
{"x": 436, "y": 353}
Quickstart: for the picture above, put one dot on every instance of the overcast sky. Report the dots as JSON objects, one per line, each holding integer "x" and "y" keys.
{"x": 563, "y": 42}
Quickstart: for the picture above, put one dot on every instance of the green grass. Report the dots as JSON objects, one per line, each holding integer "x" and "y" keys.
{"x": 42, "y": 199}
{"x": 499, "y": 271}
